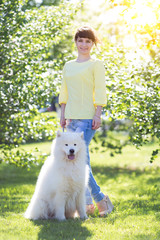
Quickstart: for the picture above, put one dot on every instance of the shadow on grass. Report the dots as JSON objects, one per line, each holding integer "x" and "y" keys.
{"x": 13, "y": 175}
{"x": 10, "y": 174}
{"x": 66, "y": 230}
{"x": 15, "y": 192}
{"x": 114, "y": 172}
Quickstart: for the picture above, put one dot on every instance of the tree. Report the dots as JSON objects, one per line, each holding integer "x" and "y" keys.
{"x": 134, "y": 94}
{"x": 34, "y": 3}
{"x": 132, "y": 69}
{"x": 27, "y": 37}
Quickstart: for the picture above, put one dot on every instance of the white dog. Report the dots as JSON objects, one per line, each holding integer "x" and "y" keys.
{"x": 60, "y": 188}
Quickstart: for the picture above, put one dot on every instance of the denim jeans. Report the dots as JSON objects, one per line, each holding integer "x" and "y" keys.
{"x": 85, "y": 126}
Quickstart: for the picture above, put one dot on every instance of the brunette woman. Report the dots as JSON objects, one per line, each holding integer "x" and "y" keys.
{"x": 82, "y": 97}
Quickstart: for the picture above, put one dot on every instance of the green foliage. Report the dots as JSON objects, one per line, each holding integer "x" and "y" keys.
{"x": 25, "y": 81}
{"x": 31, "y": 129}
{"x": 28, "y": 79}
{"x": 22, "y": 158}
{"x": 109, "y": 140}
{"x": 133, "y": 94}
{"x": 130, "y": 52}
{"x": 36, "y": 129}
{"x": 34, "y": 3}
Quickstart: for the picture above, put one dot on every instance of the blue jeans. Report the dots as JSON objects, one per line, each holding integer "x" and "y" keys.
{"x": 85, "y": 126}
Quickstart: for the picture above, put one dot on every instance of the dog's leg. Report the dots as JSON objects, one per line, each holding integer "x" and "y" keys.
{"x": 60, "y": 207}
{"x": 81, "y": 205}
{"x": 70, "y": 213}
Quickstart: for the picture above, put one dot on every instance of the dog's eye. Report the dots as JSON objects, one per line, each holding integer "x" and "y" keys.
{"x": 75, "y": 144}
{"x": 66, "y": 144}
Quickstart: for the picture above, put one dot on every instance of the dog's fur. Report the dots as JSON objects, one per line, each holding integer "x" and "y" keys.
{"x": 60, "y": 188}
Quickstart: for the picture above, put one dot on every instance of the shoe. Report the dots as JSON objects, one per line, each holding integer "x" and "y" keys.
{"x": 90, "y": 209}
{"x": 105, "y": 206}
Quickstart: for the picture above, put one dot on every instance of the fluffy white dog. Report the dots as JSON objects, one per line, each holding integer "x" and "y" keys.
{"x": 60, "y": 188}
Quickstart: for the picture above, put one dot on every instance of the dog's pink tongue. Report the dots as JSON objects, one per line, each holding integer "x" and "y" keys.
{"x": 71, "y": 157}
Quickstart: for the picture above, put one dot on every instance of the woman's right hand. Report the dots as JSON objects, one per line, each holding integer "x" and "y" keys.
{"x": 62, "y": 121}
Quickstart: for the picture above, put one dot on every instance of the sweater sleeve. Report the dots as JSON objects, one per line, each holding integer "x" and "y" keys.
{"x": 99, "y": 84}
{"x": 63, "y": 96}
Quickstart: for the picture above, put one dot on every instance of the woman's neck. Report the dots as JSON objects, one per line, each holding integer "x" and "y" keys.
{"x": 83, "y": 58}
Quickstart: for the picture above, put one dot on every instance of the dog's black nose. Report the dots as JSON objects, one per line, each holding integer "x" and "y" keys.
{"x": 71, "y": 151}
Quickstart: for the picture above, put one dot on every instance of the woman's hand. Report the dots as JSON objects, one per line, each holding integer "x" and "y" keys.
{"x": 96, "y": 123}
{"x": 63, "y": 121}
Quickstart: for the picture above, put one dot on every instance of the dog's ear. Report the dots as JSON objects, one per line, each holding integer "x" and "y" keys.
{"x": 58, "y": 133}
{"x": 82, "y": 135}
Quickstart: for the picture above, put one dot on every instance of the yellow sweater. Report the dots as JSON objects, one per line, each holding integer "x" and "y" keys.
{"x": 83, "y": 88}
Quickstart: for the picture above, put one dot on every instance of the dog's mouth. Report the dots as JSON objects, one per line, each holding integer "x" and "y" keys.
{"x": 71, "y": 157}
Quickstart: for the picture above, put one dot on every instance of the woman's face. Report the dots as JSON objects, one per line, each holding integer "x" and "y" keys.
{"x": 84, "y": 45}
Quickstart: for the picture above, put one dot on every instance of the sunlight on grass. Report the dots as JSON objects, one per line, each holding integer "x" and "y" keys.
{"x": 131, "y": 182}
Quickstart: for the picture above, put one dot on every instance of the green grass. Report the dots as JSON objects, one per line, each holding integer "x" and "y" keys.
{"x": 132, "y": 183}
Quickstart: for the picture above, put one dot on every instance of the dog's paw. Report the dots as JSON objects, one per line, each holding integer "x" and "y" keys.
{"x": 60, "y": 218}
{"x": 84, "y": 217}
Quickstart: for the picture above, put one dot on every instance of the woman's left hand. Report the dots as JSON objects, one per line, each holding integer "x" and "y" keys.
{"x": 96, "y": 123}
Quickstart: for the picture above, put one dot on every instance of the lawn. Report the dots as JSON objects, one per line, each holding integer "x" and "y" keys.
{"x": 132, "y": 183}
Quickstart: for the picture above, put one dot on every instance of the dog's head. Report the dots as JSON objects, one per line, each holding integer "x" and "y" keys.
{"x": 70, "y": 143}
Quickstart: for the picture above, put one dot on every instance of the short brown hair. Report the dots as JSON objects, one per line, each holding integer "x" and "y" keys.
{"x": 86, "y": 32}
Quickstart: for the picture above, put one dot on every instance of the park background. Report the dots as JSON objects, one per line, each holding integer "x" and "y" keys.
{"x": 36, "y": 41}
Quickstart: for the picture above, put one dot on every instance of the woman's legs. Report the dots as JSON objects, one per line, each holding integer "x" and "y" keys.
{"x": 85, "y": 126}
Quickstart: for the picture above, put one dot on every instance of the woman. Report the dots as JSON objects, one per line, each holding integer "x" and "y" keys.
{"x": 82, "y": 97}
